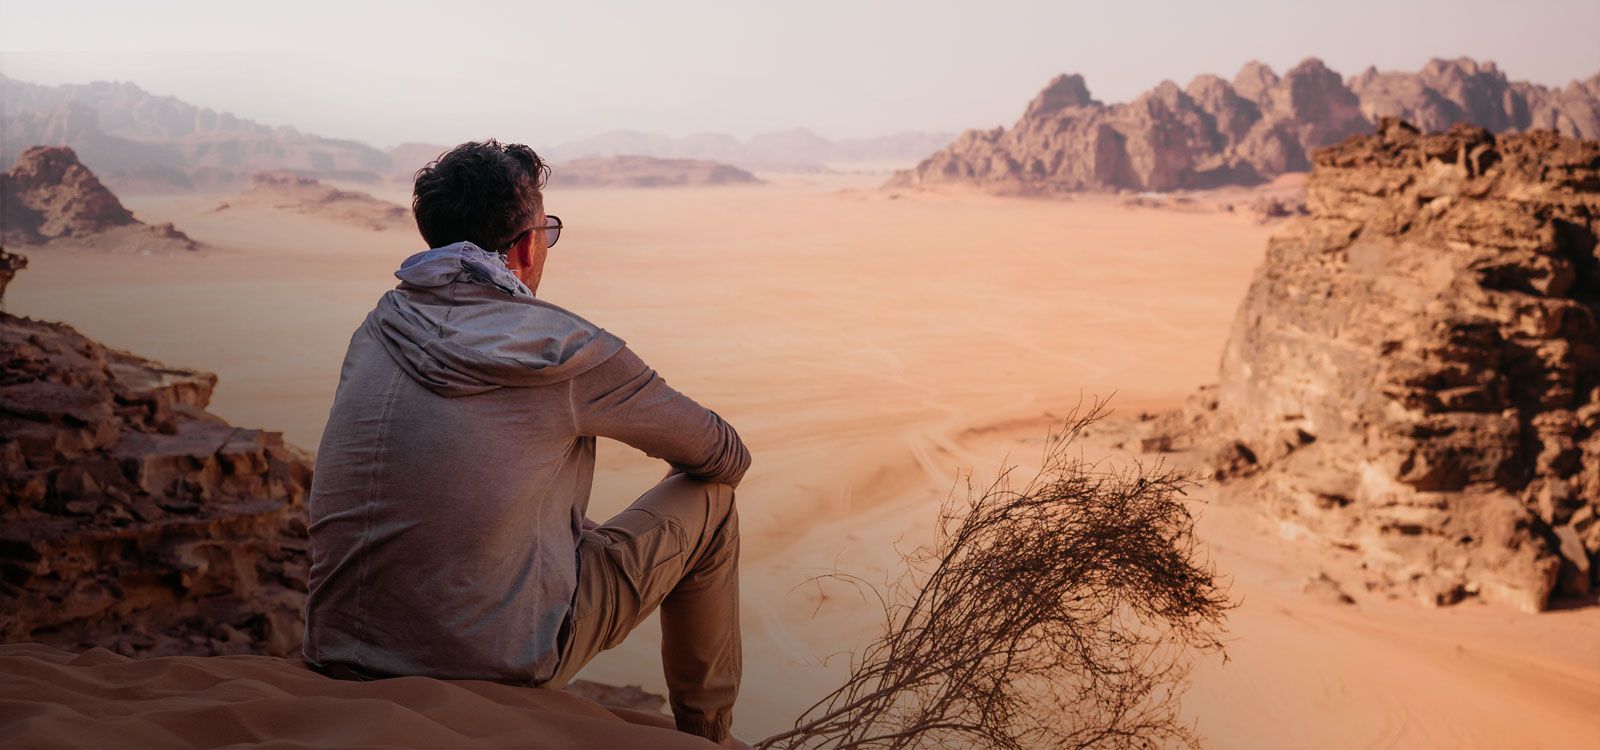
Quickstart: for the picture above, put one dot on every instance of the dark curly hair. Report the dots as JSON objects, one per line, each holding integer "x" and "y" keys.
{"x": 486, "y": 193}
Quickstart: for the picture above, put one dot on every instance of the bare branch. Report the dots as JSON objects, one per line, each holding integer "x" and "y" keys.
{"x": 1061, "y": 614}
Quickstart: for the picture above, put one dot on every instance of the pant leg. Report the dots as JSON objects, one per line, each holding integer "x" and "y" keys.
{"x": 676, "y": 547}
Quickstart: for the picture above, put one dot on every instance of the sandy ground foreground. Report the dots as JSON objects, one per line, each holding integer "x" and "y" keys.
{"x": 870, "y": 347}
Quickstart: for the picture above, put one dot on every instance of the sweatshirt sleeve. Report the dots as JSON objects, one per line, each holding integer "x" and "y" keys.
{"x": 624, "y": 399}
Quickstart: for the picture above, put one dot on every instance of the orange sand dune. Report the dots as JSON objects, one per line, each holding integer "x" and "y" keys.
{"x": 51, "y": 698}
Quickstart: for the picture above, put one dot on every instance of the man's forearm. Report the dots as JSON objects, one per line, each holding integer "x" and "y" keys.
{"x": 625, "y": 400}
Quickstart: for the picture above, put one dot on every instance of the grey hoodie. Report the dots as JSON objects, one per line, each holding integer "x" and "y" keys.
{"x": 455, "y": 469}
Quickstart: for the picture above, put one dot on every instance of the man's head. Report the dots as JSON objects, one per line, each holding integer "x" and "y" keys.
{"x": 488, "y": 194}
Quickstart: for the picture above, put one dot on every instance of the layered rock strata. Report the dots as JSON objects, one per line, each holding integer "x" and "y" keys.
{"x": 133, "y": 519}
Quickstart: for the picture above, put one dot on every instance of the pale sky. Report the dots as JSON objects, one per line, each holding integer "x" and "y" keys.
{"x": 387, "y": 72}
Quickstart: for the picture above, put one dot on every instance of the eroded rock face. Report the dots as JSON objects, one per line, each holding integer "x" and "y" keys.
{"x": 1214, "y": 133}
{"x": 49, "y": 197}
{"x": 1414, "y": 374}
{"x": 133, "y": 519}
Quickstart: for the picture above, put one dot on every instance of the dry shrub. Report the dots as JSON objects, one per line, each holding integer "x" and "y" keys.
{"x": 1060, "y": 614}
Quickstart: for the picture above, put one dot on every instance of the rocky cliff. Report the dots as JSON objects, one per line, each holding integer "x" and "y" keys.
{"x": 1414, "y": 374}
{"x": 1215, "y": 132}
{"x": 49, "y": 197}
{"x": 133, "y": 518}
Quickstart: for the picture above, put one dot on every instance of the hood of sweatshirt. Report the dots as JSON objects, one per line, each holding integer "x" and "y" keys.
{"x": 460, "y": 323}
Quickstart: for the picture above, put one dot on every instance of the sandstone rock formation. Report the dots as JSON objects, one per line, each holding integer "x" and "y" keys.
{"x": 646, "y": 171}
{"x": 1446, "y": 92}
{"x": 48, "y": 196}
{"x": 288, "y": 191}
{"x": 1214, "y": 133}
{"x": 1414, "y": 375}
{"x": 134, "y": 519}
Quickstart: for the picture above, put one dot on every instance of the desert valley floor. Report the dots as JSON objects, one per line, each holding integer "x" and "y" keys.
{"x": 872, "y": 347}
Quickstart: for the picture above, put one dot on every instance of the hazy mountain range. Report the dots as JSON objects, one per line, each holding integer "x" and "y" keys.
{"x": 134, "y": 138}
{"x": 786, "y": 149}
{"x": 1211, "y": 132}
{"x": 1214, "y": 132}
{"x": 126, "y": 134}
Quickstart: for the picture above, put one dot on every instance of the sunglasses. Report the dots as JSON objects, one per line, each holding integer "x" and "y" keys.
{"x": 552, "y": 231}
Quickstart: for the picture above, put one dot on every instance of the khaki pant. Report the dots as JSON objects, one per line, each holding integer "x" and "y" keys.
{"x": 676, "y": 547}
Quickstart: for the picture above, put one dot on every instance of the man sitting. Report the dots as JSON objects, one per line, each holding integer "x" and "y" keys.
{"x": 448, "y": 511}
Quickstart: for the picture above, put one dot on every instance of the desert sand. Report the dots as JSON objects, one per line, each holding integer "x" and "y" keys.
{"x": 100, "y": 699}
{"x": 871, "y": 347}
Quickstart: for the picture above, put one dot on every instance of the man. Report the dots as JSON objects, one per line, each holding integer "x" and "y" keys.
{"x": 448, "y": 525}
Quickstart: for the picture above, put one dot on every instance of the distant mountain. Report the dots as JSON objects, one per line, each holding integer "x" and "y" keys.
{"x": 797, "y": 149}
{"x": 1214, "y": 133}
{"x": 646, "y": 171}
{"x": 138, "y": 140}
{"x": 77, "y": 125}
{"x": 129, "y": 135}
{"x": 1446, "y": 92}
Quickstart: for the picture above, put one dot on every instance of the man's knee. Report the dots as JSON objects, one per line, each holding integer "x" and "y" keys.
{"x": 701, "y": 512}
{"x": 719, "y": 497}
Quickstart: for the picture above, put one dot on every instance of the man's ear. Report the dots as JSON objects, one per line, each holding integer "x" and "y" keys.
{"x": 521, "y": 254}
